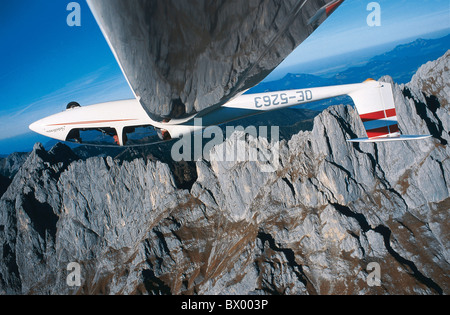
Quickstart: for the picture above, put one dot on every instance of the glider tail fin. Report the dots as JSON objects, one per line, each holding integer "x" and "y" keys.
{"x": 376, "y": 108}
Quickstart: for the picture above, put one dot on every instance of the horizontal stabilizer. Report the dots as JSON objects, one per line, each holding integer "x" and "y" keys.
{"x": 386, "y": 139}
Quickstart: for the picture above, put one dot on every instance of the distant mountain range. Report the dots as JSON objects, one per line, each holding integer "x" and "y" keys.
{"x": 400, "y": 63}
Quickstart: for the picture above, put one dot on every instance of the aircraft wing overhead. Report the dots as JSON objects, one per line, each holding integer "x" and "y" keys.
{"x": 184, "y": 57}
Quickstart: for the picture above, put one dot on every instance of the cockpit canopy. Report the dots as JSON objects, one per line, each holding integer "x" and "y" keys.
{"x": 130, "y": 136}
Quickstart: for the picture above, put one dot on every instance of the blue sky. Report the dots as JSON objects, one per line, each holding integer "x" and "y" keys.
{"x": 347, "y": 29}
{"x": 45, "y": 63}
{"x": 400, "y": 19}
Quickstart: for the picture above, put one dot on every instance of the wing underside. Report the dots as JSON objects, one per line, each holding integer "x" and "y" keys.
{"x": 183, "y": 57}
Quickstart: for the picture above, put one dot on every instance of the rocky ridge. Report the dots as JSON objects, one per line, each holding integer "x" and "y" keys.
{"x": 311, "y": 227}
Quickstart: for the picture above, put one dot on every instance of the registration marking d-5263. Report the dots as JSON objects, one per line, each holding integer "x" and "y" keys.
{"x": 276, "y": 99}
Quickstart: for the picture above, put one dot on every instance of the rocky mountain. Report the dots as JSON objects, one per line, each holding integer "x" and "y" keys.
{"x": 9, "y": 166}
{"x": 4, "y": 183}
{"x": 313, "y": 226}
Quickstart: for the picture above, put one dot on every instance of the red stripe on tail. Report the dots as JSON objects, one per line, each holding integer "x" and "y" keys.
{"x": 394, "y": 128}
{"x": 377, "y": 132}
{"x": 391, "y": 112}
{"x": 378, "y": 115}
{"x": 372, "y": 116}
{"x": 382, "y": 131}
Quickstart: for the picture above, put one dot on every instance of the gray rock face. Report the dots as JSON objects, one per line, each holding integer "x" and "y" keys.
{"x": 11, "y": 164}
{"x": 312, "y": 227}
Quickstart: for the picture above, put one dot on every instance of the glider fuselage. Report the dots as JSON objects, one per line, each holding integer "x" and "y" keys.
{"x": 126, "y": 122}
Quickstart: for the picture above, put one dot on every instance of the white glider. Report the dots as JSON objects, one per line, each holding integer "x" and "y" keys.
{"x": 126, "y": 122}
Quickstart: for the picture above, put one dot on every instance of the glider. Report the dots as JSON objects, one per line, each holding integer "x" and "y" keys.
{"x": 172, "y": 87}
